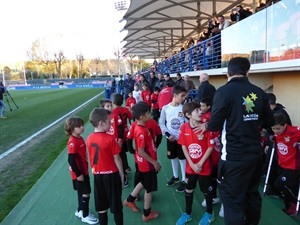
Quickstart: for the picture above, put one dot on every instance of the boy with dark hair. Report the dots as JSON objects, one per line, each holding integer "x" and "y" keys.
{"x": 146, "y": 93}
{"x": 170, "y": 120}
{"x": 106, "y": 104}
{"x": 106, "y": 166}
{"x": 154, "y": 103}
{"x": 130, "y": 101}
{"x": 78, "y": 164}
{"x": 197, "y": 148}
{"x": 288, "y": 150}
{"x": 122, "y": 114}
{"x": 146, "y": 158}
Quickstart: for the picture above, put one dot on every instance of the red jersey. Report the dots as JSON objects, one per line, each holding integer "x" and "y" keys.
{"x": 124, "y": 115}
{"x": 146, "y": 96}
{"x": 130, "y": 102}
{"x": 165, "y": 97}
{"x": 288, "y": 154}
{"x": 102, "y": 148}
{"x": 76, "y": 145}
{"x": 116, "y": 122}
{"x": 143, "y": 139}
{"x": 196, "y": 145}
{"x": 205, "y": 117}
{"x": 152, "y": 126}
{"x": 154, "y": 101}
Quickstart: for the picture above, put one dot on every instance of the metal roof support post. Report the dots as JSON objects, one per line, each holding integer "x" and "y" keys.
{"x": 159, "y": 54}
{"x": 165, "y": 45}
{"x": 172, "y": 41}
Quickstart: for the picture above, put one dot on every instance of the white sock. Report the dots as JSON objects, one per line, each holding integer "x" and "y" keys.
{"x": 182, "y": 167}
{"x": 174, "y": 163}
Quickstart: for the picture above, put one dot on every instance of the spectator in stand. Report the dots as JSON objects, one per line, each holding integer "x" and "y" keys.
{"x": 238, "y": 13}
{"x": 179, "y": 79}
{"x": 160, "y": 81}
{"x": 217, "y": 41}
{"x": 152, "y": 80}
{"x": 191, "y": 43}
{"x": 206, "y": 90}
{"x": 165, "y": 95}
{"x": 128, "y": 85}
{"x": 187, "y": 83}
{"x": 169, "y": 80}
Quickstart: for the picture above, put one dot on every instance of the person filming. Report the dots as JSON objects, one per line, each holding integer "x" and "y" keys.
{"x": 2, "y": 104}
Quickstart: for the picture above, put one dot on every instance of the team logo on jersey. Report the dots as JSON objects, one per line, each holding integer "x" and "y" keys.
{"x": 180, "y": 114}
{"x": 282, "y": 148}
{"x": 195, "y": 151}
{"x": 175, "y": 123}
{"x": 110, "y": 131}
{"x": 141, "y": 136}
{"x": 71, "y": 145}
{"x": 287, "y": 138}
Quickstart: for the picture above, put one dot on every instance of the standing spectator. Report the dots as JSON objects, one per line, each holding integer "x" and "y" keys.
{"x": 278, "y": 108}
{"x": 179, "y": 79}
{"x": 128, "y": 85}
{"x": 2, "y": 104}
{"x": 206, "y": 90}
{"x": 78, "y": 165}
{"x": 120, "y": 86}
{"x": 238, "y": 13}
{"x": 113, "y": 85}
{"x": 168, "y": 79}
{"x": 152, "y": 81}
{"x": 160, "y": 81}
{"x": 239, "y": 110}
{"x": 187, "y": 83}
{"x": 107, "y": 87}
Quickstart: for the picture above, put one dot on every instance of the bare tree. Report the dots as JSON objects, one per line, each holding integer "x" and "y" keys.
{"x": 131, "y": 62}
{"x": 97, "y": 61}
{"x": 80, "y": 60}
{"x": 58, "y": 60}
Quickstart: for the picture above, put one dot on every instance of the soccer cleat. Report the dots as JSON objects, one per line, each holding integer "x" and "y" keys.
{"x": 3, "y": 117}
{"x": 215, "y": 201}
{"x": 221, "y": 212}
{"x": 153, "y": 215}
{"x": 131, "y": 205}
{"x": 173, "y": 181}
{"x": 181, "y": 187}
{"x": 90, "y": 219}
{"x": 291, "y": 211}
{"x": 207, "y": 219}
{"x": 78, "y": 214}
{"x": 184, "y": 219}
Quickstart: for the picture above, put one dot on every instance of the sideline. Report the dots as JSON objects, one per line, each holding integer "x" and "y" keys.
{"x": 45, "y": 128}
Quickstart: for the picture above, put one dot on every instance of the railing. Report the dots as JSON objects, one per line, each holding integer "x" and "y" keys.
{"x": 272, "y": 34}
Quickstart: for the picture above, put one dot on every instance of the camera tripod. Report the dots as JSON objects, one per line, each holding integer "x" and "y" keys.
{"x": 7, "y": 97}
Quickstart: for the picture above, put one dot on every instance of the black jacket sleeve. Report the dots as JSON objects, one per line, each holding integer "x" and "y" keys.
{"x": 158, "y": 140}
{"x": 130, "y": 146}
{"x": 72, "y": 163}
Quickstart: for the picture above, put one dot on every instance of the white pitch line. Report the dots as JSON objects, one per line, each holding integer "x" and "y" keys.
{"x": 45, "y": 128}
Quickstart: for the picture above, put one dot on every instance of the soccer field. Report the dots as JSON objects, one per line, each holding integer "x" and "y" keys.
{"x": 36, "y": 110}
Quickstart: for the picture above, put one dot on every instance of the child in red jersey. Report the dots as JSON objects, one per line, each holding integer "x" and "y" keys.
{"x": 146, "y": 158}
{"x": 77, "y": 159}
{"x": 130, "y": 101}
{"x": 205, "y": 106}
{"x": 146, "y": 93}
{"x": 165, "y": 96}
{"x": 106, "y": 167}
{"x": 287, "y": 144}
{"x": 154, "y": 103}
{"x": 123, "y": 115}
{"x": 197, "y": 148}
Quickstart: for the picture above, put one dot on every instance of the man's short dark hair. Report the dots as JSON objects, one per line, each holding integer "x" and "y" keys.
{"x": 271, "y": 98}
{"x": 238, "y": 66}
{"x": 178, "y": 89}
{"x": 118, "y": 99}
{"x": 140, "y": 109}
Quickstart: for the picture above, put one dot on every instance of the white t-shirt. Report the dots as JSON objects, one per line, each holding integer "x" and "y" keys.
{"x": 171, "y": 119}
{"x": 137, "y": 95}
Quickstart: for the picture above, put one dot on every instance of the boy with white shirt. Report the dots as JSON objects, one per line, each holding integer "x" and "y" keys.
{"x": 137, "y": 93}
{"x": 170, "y": 120}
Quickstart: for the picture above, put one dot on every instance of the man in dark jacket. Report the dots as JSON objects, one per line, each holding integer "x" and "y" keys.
{"x": 152, "y": 81}
{"x": 278, "y": 108}
{"x": 128, "y": 85}
{"x": 239, "y": 110}
{"x": 205, "y": 90}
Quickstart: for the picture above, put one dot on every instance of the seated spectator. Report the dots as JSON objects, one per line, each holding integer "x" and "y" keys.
{"x": 191, "y": 43}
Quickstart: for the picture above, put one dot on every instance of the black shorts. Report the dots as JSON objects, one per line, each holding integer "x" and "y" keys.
{"x": 149, "y": 180}
{"x": 155, "y": 113}
{"x": 82, "y": 187}
{"x": 174, "y": 150}
{"x": 205, "y": 183}
{"x": 108, "y": 192}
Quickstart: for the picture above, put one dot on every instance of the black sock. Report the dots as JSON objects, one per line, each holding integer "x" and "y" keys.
{"x": 103, "y": 220}
{"x": 188, "y": 202}
{"x": 79, "y": 196}
{"x": 147, "y": 212}
{"x": 130, "y": 198}
{"x": 118, "y": 218}
{"x": 85, "y": 206}
{"x": 208, "y": 199}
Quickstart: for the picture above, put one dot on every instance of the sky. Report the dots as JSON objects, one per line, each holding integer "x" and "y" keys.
{"x": 90, "y": 27}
